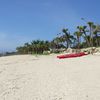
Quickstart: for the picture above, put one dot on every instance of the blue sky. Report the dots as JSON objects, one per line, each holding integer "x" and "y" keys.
{"x": 25, "y": 20}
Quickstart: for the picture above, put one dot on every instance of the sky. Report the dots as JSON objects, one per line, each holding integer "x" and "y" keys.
{"x": 26, "y": 20}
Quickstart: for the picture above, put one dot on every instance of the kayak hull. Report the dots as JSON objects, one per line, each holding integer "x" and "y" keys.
{"x": 71, "y": 55}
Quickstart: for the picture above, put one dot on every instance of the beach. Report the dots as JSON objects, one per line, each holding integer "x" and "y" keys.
{"x": 45, "y": 77}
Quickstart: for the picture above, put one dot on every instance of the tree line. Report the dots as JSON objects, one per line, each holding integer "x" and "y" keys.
{"x": 84, "y": 36}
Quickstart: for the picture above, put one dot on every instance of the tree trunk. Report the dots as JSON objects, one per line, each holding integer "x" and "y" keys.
{"x": 78, "y": 43}
{"x": 91, "y": 37}
{"x": 67, "y": 43}
{"x": 87, "y": 41}
{"x": 97, "y": 41}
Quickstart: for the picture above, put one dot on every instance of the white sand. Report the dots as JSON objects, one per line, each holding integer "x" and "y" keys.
{"x": 26, "y": 77}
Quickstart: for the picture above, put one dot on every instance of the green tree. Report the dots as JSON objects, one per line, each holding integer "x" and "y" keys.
{"x": 91, "y": 26}
{"x": 83, "y": 30}
{"x": 66, "y": 37}
{"x": 78, "y": 35}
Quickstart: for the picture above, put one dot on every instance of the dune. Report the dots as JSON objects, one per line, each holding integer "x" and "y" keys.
{"x": 27, "y": 77}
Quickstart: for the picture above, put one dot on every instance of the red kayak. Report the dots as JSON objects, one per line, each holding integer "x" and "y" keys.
{"x": 71, "y": 55}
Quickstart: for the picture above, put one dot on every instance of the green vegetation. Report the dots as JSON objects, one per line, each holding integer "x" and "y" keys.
{"x": 83, "y": 37}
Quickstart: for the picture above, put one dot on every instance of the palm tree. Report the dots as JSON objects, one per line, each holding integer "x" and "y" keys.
{"x": 95, "y": 32}
{"x": 57, "y": 41}
{"x": 66, "y": 36}
{"x": 78, "y": 35}
{"x": 83, "y": 30}
{"x": 28, "y": 47}
{"x": 91, "y": 24}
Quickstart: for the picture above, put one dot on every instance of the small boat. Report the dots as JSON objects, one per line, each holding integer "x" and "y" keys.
{"x": 71, "y": 55}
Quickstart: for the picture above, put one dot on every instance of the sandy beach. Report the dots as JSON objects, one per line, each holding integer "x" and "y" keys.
{"x": 27, "y": 77}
